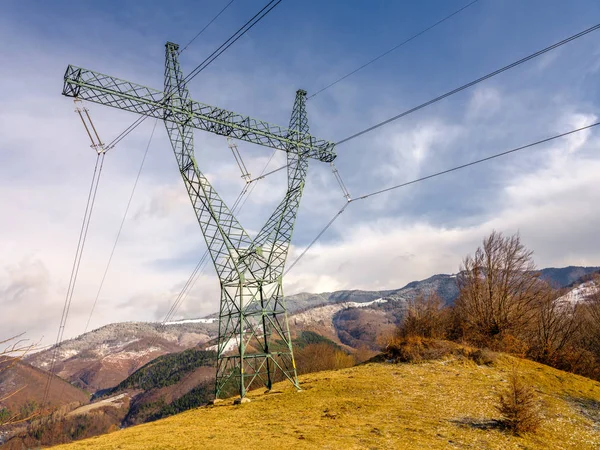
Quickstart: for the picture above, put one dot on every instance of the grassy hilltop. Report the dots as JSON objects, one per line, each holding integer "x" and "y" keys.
{"x": 435, "y": 405}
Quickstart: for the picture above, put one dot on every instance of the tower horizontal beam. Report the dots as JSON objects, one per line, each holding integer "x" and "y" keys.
{"x": 106, "y": 90}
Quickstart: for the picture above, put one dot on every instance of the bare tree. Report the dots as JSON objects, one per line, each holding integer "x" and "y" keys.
{"x": 554, "y": 328}
{"x": 591, "y": 319}
{"x": 499, "y": 290}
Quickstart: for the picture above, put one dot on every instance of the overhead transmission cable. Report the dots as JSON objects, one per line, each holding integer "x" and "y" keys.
{"x": 204, "y": 64}
{"x": 406, "y": 41}
{"x": 428, "y": 177}
{"x": 229, "y": 42}
{"x": 472, "y": 83}
{"x": 244, "y": 29}
{"x": 99, "y": 147}
{"x": 205, "y": 27}
{"x": 137, "y": 178}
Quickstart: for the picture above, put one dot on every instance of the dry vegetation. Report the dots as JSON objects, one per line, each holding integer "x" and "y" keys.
{"x": 519, "y": 406}
{"x": 504, "y": 306}
{"x": 448, "y": 403}
{"x": 322, "y": 356}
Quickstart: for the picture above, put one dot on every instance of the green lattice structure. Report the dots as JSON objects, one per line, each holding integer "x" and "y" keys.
{"x": 254, "y": 343}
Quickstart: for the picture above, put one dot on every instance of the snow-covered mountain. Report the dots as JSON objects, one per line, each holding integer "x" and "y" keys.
{"x": 579, "y": 293}
{"x": 104, "y": 357}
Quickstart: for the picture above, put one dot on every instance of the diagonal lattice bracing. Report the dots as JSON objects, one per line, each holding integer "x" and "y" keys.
{"x": 254, "y": 344}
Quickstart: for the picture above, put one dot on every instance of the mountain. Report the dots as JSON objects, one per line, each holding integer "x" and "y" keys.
{"x": 436, "y": 404}
{"x": 566, "y": 276}
{"x": 104, "y": 357}
{"x": 164, "y": 385}
{"x": 22, "y": 386}
{"x": 443, "y": 285}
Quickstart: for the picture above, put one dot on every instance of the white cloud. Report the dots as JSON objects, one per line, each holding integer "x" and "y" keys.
{"x": 484, "y": 103}
{"x": 554, "y": 208}
{"x": 45, "y": 166}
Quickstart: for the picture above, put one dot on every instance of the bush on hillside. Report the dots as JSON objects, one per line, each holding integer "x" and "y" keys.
{"x": 415, "y": 349}
{"x": 504, "y": 306}
{"x": 322, "y": 356}
{"x": 518, "y": 406}
{"x": 425, "y": 317}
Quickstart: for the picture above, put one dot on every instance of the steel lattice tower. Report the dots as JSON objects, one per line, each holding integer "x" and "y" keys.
{"x": 254, "y": 343}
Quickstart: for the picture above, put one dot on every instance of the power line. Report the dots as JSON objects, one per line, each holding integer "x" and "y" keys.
{"x": 204, "y": 64}
{"x": 76, "y": 264}
{"x": 472, "y": 83}
{"x": 392, "y": 49}
{"x": 497, "y": 155}
{"x": 237, "y": 35}
{"x": 206, "y": 26}
{"x": 437, "y": 174}
{"x": 120, "y": 227}
{"x": 261, "y": 176}
{"x": 317, "y": 237}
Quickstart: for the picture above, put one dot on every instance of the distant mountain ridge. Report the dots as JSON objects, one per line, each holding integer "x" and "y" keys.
{"x": 567, "y": 276}
{"x": 104, "y": 357}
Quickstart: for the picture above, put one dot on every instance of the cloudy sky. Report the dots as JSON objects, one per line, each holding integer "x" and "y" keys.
{"x": 550, "y": 193}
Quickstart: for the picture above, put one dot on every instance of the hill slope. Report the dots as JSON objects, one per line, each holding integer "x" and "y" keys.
{"x": 437, "y": 405}
{"x": 29, "y": 383}
{"x": 104, "y": 357}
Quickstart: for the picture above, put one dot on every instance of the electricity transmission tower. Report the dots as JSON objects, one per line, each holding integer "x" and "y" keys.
{"x": 254, "y": 343}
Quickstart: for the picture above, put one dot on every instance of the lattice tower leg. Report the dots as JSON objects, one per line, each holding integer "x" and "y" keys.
{"x": 254, "y": 343}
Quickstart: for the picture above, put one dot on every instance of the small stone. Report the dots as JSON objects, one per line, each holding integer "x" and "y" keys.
{"x": 217, "y": 401}
{"x": 237, "y": 401}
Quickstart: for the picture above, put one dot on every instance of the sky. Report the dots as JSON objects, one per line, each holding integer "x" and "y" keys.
{"x": 549, "y": 194}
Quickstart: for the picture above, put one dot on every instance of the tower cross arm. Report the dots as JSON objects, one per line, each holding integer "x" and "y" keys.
{"x": 107, "y": 90}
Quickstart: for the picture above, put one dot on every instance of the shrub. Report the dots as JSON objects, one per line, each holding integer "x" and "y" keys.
{"x": 425, "y": 317}
{"x": 322, "y": 356}
{"x": 518, "y": 406}
{"x": 483, "y": 357}
{"x": 416, "y": 349}
{"x": 509, "y": 343}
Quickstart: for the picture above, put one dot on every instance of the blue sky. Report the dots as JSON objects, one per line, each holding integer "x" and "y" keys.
{"x": 547, "y": 194}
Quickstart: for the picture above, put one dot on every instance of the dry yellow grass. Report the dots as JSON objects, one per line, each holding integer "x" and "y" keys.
{"x": 433, "y": 405}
